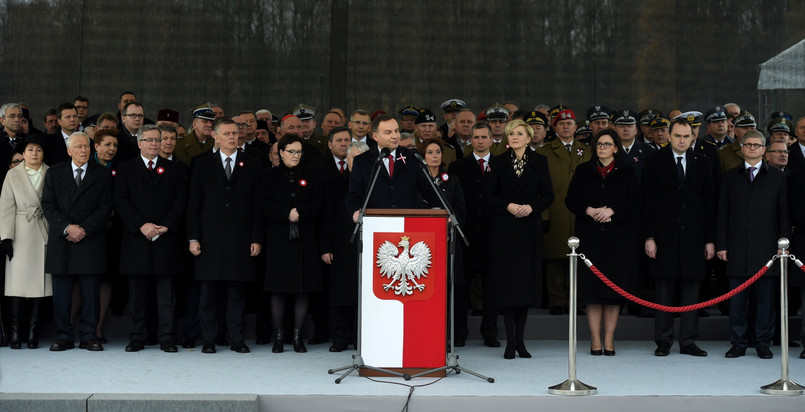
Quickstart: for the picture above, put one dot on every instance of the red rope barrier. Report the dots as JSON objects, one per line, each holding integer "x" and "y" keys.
{"x": 675, "y": 309}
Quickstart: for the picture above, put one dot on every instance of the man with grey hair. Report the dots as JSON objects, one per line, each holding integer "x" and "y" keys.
{"x": 11, "y": 134}
{"x": 733, "y": 110}
{"x": 150, "y": 196}
{"x": 77, "y": 203}
{"x": 752, "y": 215}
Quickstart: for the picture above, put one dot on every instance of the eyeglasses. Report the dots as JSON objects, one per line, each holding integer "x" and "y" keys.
{"x": 293, "y": 152}
{"x": 243, "y": 125}
{"x": 151, "y": 140}
{"x": 135, "y": 116}
{"x": 752, "y": 145}
{"x": 778, "y": 151}
{"x": 13, "y": 116}
{"x": 16, "y": 162}
{"x": 605, "y": 145}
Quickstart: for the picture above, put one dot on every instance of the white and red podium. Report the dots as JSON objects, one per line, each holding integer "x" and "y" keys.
{"x": 404, "y": 290}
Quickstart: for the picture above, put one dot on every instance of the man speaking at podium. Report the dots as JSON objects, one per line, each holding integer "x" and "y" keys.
{"x": 400, "y": 181}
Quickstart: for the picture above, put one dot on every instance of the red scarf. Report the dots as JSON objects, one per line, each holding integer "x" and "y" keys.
{"x": 604, "y": 170}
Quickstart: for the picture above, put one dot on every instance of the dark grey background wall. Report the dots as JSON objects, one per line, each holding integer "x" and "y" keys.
{"x": 252, "y": 54}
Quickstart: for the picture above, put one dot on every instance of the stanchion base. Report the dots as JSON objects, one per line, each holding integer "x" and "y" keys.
{"x": 783, "y": 387}
{"x": 572, "y": 387}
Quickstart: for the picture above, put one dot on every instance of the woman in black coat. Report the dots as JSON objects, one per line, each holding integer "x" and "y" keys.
{"x": 604, "y": 197}
{"x": 449, "y": 184}
{"x": 292, "y": 202}
{"x": 518, "y": 191}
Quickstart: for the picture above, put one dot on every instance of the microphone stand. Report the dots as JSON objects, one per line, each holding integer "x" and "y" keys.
{"x": 452, "y": 358}
{"x": 357, "y": 360}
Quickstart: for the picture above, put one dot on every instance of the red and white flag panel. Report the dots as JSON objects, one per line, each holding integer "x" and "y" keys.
{"x": 404, "y": 299}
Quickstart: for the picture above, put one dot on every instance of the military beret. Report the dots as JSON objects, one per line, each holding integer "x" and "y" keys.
{"x": 745, "y": 119}
{"x": 566, "y": 114}
{"x": 425, "y": 116}
{"x": 624, "y": 117}
{"x": 168, "y": 115}
{"x": 453, "y": 105}
{"x": 304, "y": 112}
{"x": 535, "y": 117}
{"x": 598, "y": 113}
{"x": 715, "y": 114}
{"x": 377, "y": 113}
{"x": 204, "y": 111}
{"x": 658, "y": 123}
{"x": 497, "y": 112}
{"x": 647, "y": 115}
{"x": 481, "y": 117}
{"x": 409, "y": 111}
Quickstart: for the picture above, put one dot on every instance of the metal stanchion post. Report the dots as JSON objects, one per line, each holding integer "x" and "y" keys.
{"x": 783, "y": 386}
{"x": 572, "y": 386}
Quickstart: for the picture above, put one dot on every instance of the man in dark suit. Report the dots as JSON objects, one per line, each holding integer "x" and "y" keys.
{"x": 400, "y": 179}
{"x": 225, "y": 229}
{"x": 337, "y": 252}
{"x": 150, "y": 196}
{"x": 11, "y": 133}
{"x": 359, "y": 124}
{"x": 127, "y": 146}
{"x": 679, "y": 230}
{"x": 77, "y": 203}
{"x": 633, "y": 152}
{"x": 56, "y": 150}
{"x": 796, "y": 159}
{"x": 243, "y": 147}
{"x": 472, "y": 171}
{"x": 752, "y": 215}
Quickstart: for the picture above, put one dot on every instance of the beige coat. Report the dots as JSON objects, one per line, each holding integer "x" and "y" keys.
{"x": 22, "y": 221}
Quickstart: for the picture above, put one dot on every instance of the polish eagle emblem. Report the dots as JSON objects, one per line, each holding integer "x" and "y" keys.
{"x": 404, "y": 269}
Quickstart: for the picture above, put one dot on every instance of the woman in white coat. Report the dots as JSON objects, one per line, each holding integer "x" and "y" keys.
{"x": 24, "y": 230}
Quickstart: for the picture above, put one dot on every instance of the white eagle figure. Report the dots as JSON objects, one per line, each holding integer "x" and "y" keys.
{"x": 403, "y": 268}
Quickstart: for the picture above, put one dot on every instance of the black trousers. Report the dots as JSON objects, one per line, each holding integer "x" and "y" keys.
{"x": 89, "y": 285}
{"x": 763, "y": 291}
{"x": 688, "y": 291}
{"x": 140, "y": 294}
{"x": 492, "y": 308}
{"x": 344, "y": 324}
{"x": 235, "y": 309}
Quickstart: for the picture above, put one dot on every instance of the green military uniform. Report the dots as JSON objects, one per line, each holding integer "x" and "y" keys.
{"x": 561, "y": 164}
{"x": 188, "y": 147}
{"x": 497, "y": 149}
{"x": 730, "y": 156}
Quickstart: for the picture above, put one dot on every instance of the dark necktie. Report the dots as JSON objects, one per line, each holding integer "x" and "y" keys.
{"x": 391, "y": 165}
{"x": 679, "y": 168}
{"x": 567, "y": 146}
{"x": 752, "y": 173}
{"x": 483, "y": 166}
{"x": 78, "y": 176}
{"x": 341, "y": 164}
{"x": 228, "y": 168}
{"x": 150, "y": 165}
{"x": 13, "y": 143}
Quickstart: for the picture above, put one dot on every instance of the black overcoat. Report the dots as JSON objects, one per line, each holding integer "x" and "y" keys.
{"x": 335, "y": 231}
{"x": 796, "y": 203}
{"x": 680, "y": 216}
{"x": 517, "y": 242}
{"x": 751, "y": 217}
{"x": 292, "y": 265}
{"x": 88, "y": 206}
{"x": 159, "y": 197}
{"x": 478, "y": 226}
{"x": 607, "y": 245}
{"x": 225, "y": 217}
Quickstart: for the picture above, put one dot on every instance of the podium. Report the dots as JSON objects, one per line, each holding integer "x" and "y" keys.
{"x": 404, "y": 286}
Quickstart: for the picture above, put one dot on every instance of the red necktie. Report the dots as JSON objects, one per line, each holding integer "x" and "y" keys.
{"x": 391, "y": 165}
{"x": 341, "y": 166}
{"x": 150, "y": 165}
{"x": 483, "y": 167}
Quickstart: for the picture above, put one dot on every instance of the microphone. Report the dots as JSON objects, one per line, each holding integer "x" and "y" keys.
{"x": 384, "y": 153}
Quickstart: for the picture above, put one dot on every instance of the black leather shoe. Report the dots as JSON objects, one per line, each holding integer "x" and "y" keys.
{"x": 134, "y": 347}
{"x": 91, "y": 345}
{"x": 61, "y": 345}
{"x": 662, "y": 350}
{"x": 763, "y": 352}
{"x": 509, "y": 352}
{"x": 735, "y": 352}
{"x": 239, "y": 347}
{"x": 492, "y": 342}
{"x": 298, "y": 341}
{"x": 337, "y": 348}
{"x": 609, "y": 352}
{"x": 316, "y": 340}
{"x": 692, "y": 350}
{"x": 556, "y": 310}
{"x": 189, "y": 343}
{"x": 596, "y": 352}
{"x": 209, "y": 347}
{"x": 279, "y": 342}
{"x": 802, "y": 354}
{"x": 168, "y": 347}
